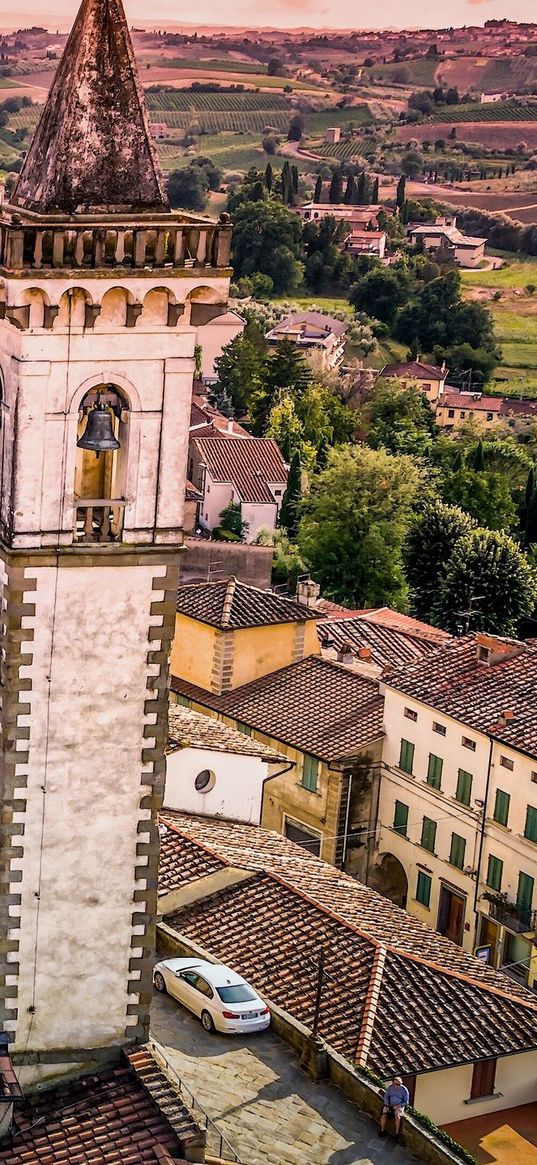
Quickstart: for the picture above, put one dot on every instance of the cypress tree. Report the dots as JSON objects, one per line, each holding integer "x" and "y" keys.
{"x": 336, "y": 188}
{"x": 294, "y": 176}
{"x": 361, "y": 193}
{"x": 530, "y": 532}
{"x": 400, "y": 195}
{"x": 289, "y": 513}
{"x": 375, "y": 192}
{"x": 269, "y": 177}
{"x": 477, "y": 459}
{"x": 350, "y": 191}
{"x": 317, "y": 197}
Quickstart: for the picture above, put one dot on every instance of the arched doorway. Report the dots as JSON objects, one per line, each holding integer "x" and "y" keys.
{"x": 389, "y": 878}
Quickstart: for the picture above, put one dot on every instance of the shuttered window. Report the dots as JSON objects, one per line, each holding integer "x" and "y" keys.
{"x": 400, "y": 818}
{"x": 310, "y": 773}
{"x": 494, "y": 873}
{"x": 501, "y": 807}
{"x": 406, "y": 756}
{"x": 530, "y": 828}
{"x": 428, "y": 834}
{"x": 423, "y": 888}
{"x": 524, "y": 896}
{"x": 434, "y": 771}
{"x": 457, "y": 850}
{"x": 483, "y": 1079}
{"x": 464, "y": 787}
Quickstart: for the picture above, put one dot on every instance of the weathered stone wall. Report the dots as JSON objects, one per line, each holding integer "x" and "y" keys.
{"x": 250, "y": 564}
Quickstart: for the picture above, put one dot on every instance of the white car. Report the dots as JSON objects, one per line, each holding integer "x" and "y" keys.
{"x": 220, "y": 998}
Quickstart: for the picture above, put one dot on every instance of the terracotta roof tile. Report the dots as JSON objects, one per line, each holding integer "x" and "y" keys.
{"x": 187, "y": 729}
{"x": 231, "y": 605}
{"x": 113, "y": 1117}
{"x": 247, "y": 463}
{"x": 455, "y": 682}
{"x": 315, "y": 705}
{"x": 387, "y": 644}
{"x": 470, "y": 401}
{"x": 430, "y": 1004}
{"x": 416, "y": 370}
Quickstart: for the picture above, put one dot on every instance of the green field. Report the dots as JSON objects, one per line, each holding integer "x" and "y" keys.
{"x": 496, "y": 111}
{"x": 181, "y": 99}
{"x": 516, "y": 273}
{"x": 230, "y": 151}
{"x": 319, "y": 121}
{"x": 213, "y": 123}
{"x": 515, "y": 324}
{"x": 212, "y": 65}
{"x": 342, "y": 151}
{"x": 421, "y": 71}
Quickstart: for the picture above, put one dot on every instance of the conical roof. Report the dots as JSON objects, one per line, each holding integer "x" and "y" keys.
{"x": 92, "y": 149}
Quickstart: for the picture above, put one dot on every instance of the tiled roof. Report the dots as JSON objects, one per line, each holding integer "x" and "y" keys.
{"x": 191, "y": 493}
{"x": 415, "y": 369}
{"x": 315, "y": 705}
{"x": 206, "y": 421}
{"x": 518, "y": 408}
{"x": 231, "y": 605}
{"x": 182, "y": 860}
{"x": 455, "y": 682}
{"x": 468, "y": 400}
{"x": 115, "y": 1117}
{"x": 247, "y": 463}
{"x": 435, "y": 1005}
{"x": 187, "y": 729}
{"x": 388, "y": 645}
{"x": 386, "y": 617}
{"x": 313, "y": 321}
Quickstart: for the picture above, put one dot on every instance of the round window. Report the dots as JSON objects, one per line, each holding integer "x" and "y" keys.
{"x": 205, "y": 781}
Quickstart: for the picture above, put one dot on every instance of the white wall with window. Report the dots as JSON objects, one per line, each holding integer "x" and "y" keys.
{"x": 217, "y": 784}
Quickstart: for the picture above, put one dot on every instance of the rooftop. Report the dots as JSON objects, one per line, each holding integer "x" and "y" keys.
{"x": 187, "y": 729}
{"x": 388, "y": 643}
{"x": 311, "y": 323}
{"x": 233, "y": 605}
{"x": 477, "y": 693}
{"x": 316, "y": 706}
{"x": 130, "y": 1114}
{"x": 416, "y": 370}
{"x": 401, "y": 996}
{"x": 206, "y": 421}
{"x": 470, "y": 400}
{"x": 249, "y": 464}
{"x": 92, "y": 149}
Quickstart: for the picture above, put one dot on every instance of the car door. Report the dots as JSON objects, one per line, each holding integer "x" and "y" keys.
{"x": 184, "y": 989}
{"x": 203, "y": 994}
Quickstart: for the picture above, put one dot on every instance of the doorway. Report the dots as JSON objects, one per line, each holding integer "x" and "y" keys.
{"x": 451, "y": 915}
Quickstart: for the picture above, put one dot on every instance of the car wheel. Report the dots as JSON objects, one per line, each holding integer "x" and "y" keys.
{"x": 160, "y": 982}
{"x": 207, "y": 1021}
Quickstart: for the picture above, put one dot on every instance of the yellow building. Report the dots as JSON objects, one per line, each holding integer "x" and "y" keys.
{"x": 251, "y": 658}
{"x": 430, "y": 378}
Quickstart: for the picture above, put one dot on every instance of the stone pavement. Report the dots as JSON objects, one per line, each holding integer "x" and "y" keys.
{"x": 267, "y": 1108}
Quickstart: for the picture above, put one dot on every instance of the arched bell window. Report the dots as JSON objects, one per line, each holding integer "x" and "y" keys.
{"x": 101, "y": 465}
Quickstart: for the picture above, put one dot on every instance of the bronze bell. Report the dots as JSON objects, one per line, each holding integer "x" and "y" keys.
{"x": 98, "y": 436}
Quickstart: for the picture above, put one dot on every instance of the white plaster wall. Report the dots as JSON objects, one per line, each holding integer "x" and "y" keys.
{"x": 442, "y": 1094}
{"x": 259, "y": 516}
{"x": 86, "y": 726}
{"x": 238, "y": 790}
{"x": 216, "y": 498}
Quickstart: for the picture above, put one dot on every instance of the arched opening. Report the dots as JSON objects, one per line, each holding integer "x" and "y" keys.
{"x": 73, "y": 308}
{"x": 204, "y": 304}
{"x": 101, "y": 464}
{"x": 115, "y": 305}
{"x": 389, "y": 878}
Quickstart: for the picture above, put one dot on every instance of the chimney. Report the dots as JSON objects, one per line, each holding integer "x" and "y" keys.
{"x": 307, "y": 592}
{"x": 229, "y": 427}
{"x": 345, "y": 653}
{"x": 364, "y": 653}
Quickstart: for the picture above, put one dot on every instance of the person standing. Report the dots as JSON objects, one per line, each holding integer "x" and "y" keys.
{"x": 395, "y": 1100}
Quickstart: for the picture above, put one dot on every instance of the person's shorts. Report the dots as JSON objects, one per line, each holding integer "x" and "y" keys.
{"x": 396, "y": 1109}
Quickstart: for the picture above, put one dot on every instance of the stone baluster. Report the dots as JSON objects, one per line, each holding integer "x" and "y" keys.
{"x": 120, "y": 248}
{"x": 210, "y": 234}
{"x": 160, "y": 248}
{"x": 140, "y": 245}
{"x": 79, "y": 249}
{"x": 99, "y": 245}
{"x": 15, "y": 258}
{"x": 58, "y": 244}
{"x": 223, "y": 242}
{"x": 179, "y": 248}
{"x": 38, "y": 250}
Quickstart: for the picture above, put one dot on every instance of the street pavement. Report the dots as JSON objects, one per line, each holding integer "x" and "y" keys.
{"x": 269, "y": 1111}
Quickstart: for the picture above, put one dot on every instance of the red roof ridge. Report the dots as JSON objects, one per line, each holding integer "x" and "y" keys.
{"x": 370, "y": 1007}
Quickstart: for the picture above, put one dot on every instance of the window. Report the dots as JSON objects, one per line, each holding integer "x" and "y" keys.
{"x": 245, "y": 728}
{"x": 464, "y": 787}
{"x": 406, "y": 757}
{"x": 467, "y": 743}
{"x": 400, "y": 818}
{"x": 507, "y": 763}
{"x": 490, "y": 416}
{"x": 239, "y": 993}
{"x": 277, "y": 493}
{"x": 534, "y": 777}
{"x": 457, "y": 850}
{"x": 463, "y": 414}
{"x": 524, "y": 894}
{"x": 494, "y": 873}
{"x": 530, "y": 828}
{"x": 434, "y": 771}
{"x": 303, "y": 836}
{"x": 428, "y": 834}
{"x": 423, "y": 888}
{"x": 501, "y": 807}
{"x": 411, "y": 714}
{"x": 205, "y": 781}
{"x": 183, "y": 700}
{"x": 451, "y": 412}
{"x": 483, "y": 1079}
{"x": 440, "y": 728}
{"x": 310, "y": 773}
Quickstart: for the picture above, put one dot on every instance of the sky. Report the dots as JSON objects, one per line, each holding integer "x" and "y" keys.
{"x": 283, "y": 13}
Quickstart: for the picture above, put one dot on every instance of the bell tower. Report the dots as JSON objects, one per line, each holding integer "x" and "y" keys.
{"x": 103, "y": 291}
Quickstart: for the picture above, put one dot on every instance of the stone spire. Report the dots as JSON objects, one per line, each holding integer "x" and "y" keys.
{"x": 92, "y": 149}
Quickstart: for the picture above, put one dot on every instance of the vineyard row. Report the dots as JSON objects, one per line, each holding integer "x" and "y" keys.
{"x": 217, "y": 102}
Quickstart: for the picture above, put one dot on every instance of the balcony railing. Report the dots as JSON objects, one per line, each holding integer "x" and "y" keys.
{"x": 99, "y": 519}
{"x": 515, "y": 918}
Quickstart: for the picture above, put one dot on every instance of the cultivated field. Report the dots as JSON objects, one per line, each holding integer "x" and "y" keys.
{"x": 501, "y": 135}
{"x": 510, "y": 111}
{"x": 515, "y": 321}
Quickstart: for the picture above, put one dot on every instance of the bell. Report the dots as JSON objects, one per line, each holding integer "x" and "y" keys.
{"x": 98, "y": 436}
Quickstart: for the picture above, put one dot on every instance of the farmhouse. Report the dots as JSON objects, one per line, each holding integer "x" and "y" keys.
{"x": 444, "y": 233}
{"x": 320, "y": 334}
{"x": 360, "y": 242}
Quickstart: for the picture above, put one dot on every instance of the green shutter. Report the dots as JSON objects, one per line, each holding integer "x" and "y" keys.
{"x": 501, "y": 807}
{"x": 494, "y": 873}
{"x": 310, "y": 772}
{"x": 428, "y": 834}
{"x": 457, "y": 851}
{"x": 423, "y": 888}
{"x": 400, "y": 818}
{"x": 464, "y": 787}
{"x": 406, "y": 758}
{"x": 524, "y": 895}
{"x": 434, "y": 771}
{"x": 530, "y": 828}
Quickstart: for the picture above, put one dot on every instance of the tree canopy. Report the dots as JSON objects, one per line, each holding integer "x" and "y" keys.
{"x": 488, "y": 585}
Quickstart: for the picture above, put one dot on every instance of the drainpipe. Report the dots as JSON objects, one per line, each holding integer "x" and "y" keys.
{"x": 482, "y": 840}
{"x": 272, "y": 777}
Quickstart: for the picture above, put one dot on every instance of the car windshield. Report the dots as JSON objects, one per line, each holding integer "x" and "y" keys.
{"x": 238, "y": 994}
